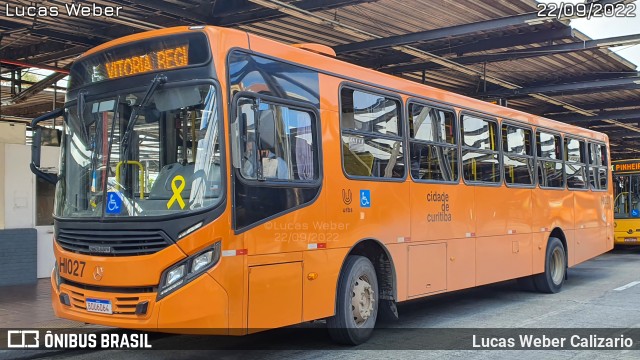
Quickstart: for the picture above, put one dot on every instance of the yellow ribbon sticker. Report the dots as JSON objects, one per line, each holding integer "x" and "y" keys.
{"x": 177, "y": 190}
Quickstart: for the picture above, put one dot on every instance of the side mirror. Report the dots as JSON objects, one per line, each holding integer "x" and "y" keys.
{"x": 35, "y": 146}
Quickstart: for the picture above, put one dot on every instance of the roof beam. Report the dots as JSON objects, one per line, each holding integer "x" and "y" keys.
{"x": 249, "y": 13}
{"x": 430, "y": 35}
{"x": 474, "y": 45}
{"x": 17, "y": 53}
{"x": 35, "y": 88}
{"x": 237, "y": 12}
{"x": 197, "y": 14}
{"x": 32, "y": 65}
{"x": 292, "y": 10}
{"x": 527, "y": 53}
{"x": 554, "y": 110}
{"x": 59, "y": 55}
{"x": 78, "y": 40}
{"x": 531, "y": 18}
{"x": 98, "y": 36}
{"x": 582, "y": 87}
{"x": 31, "y": 110}
{"x": 603, "y": 115}
{"x": 491, "y": 43}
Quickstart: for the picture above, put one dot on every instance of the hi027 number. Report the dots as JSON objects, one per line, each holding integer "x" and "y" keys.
{"x": 71, "y": 267}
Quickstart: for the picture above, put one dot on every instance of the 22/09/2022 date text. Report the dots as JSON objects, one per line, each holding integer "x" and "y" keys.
{"x": 591, "y": 10}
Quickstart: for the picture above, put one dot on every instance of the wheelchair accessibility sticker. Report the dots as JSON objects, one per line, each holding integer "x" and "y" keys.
{"x": 365, "y": 198}
{"x": 635, "y": 213}
{"x": 114, "y": 203}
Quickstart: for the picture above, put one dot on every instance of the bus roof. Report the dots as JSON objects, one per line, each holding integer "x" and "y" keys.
{"x": 357, "y": 74}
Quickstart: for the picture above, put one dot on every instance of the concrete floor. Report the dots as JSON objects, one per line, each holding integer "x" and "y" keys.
{"x": 588, "y": 300}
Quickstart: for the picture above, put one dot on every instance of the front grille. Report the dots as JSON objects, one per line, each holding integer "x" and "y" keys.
{"x": 112, "y": 242}
{"x": 110, "y": 289}
{"x": 121, "y": 305}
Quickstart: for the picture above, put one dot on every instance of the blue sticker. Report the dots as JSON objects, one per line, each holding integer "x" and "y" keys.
{"x": 114, "y": 203}
{"x": 635, "y": 213}
{"x": 365, "y": 198}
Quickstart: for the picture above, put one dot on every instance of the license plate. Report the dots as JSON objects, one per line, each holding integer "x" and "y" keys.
{"x": 99, "y": 306}
{"x": 630, "y": 239}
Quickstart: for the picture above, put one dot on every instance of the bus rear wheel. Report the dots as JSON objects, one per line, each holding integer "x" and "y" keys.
{"x": 555, "y": 268}
{"x": 357, "y": 302}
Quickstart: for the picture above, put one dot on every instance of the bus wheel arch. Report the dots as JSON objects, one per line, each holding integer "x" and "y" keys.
{"x": 366, "y": 255}
{"x": 379, "y": 256}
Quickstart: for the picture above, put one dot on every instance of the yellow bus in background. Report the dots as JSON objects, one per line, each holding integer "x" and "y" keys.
{"x": 626, "y": 180}
{"x": 213, "y": 180}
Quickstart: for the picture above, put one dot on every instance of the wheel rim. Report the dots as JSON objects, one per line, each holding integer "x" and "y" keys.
{"x": 362, "y": 300}
{"x": 557, "y": 266}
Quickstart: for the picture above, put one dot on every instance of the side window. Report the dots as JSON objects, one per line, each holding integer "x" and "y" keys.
{"x": 480, "y": 160}
{"x": 517, "y": 155}
{"x": 277, "y": 142}
{"x": 371, "y": 137}
{"x": 275, "y": 156}
{"x": 598, "y": 166}
{"x": 575, "y": 163}
{"x": 549, "y": 150}
{"x": 433, "y": 150}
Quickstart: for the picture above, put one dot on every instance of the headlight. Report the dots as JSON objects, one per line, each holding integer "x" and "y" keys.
{"x": 201, "y": 261}
{"x": 175, "y": 274}
{"x": 188, "y": 269}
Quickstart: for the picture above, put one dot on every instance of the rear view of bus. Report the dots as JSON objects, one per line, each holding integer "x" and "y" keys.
{"x": 626, "y": 179}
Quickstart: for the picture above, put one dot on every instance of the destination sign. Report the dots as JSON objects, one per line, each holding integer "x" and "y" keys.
{"x": 164, "y": 59}
{"x": 154, "y": 54}
{"x": 626, "y": 166}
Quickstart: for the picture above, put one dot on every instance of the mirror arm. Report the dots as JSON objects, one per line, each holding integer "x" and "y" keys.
{"x": 35, "y": 146}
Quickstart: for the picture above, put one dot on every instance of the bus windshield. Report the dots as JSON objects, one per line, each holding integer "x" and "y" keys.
{"x": 627, "y": 196}
{"x": 164, "y": 159}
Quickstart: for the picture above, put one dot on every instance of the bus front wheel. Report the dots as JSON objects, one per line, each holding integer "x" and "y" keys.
{"x": 555, "y": 268}
{"x": 356, "y": 303}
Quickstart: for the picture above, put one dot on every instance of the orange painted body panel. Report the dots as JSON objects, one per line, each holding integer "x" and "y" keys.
{"x": 480, "y": 234}
{"x": 461, "y": 263}
{"x": 590, "y": 225}
{"x": 427, "y": 268}
{"x": 320, "y": 294}
{"x": 553, "y": 209}
{"x": 451, "y": 218}
{"x": 275, "y": 295}
{"x": 202, "y": 306}
{"x": 502, "y": 257}
{"x": 121, "y": 271}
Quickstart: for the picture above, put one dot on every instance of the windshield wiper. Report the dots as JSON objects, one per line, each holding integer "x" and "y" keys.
{"x": 80, "y": 105}
{"x": 158, "y": 80}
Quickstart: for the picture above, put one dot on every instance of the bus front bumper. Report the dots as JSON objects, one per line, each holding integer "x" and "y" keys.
{"x": 623, "y": 238}
{"x": 199, "y": 307}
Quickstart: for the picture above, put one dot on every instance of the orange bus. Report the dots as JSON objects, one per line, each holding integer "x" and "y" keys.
{"x": 215, "y": 181}
{"x": 626, "y": 204}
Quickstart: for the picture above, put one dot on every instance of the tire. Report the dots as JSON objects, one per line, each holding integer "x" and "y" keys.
{"x": 351, "y": 325}
{"x": 555, "y": 268}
